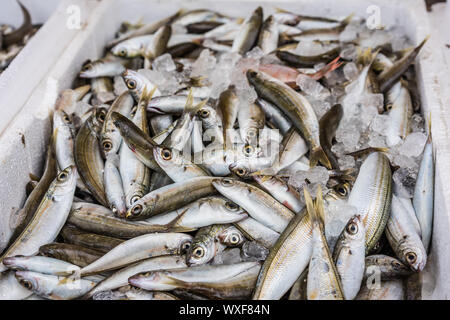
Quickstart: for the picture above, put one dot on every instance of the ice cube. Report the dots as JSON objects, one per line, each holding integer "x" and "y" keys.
{"x": 405, "y": 180}
{"x": 417, "y": 123}
{"x": 256, "y": 53}
{"x": 351, "y": 71}
{"x": 204, "y": 64}
{"x": 312, "y": 87}
{"x": 164, "y": 63}
{"x": 253, "y": 251}
{"x": 228, "y": 256}
{"x": 413, "y": 144}
{"x": 379, "y": 123}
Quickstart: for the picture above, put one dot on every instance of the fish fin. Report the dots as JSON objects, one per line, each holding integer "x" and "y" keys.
{"x": 146, "y": 96}
{"x": 429, "y": 128}
{"x": 318, "y": 155}
{"x": 197, "y": 81}
{"x": 347, "y": 20}
{"x": 333, "y": 65}
{"x": 309, "y": 204}
{"x": 265, "y": 172}
{"x": 417, "y": 49}
{"x": 173, "y": 223}
{"x": 80, "y": 92}
{"x": 318, "y": 205}
{"x": 359, "y": 153}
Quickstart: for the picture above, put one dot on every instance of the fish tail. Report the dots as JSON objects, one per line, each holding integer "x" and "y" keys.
{"x": 309, "y": 204}
{"x": 80, "y": 92}
{"x": 318, "y": 155}
{"x": 318, "y": 205}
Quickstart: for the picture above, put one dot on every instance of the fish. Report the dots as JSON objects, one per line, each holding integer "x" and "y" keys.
{"x": 328, "y": 125}
{"x": 110, "y": 138}
{"x": 24, "y": 215}
{"x": 323, "y": 282}
{"x": 139, "y": 248}
{"x": 229, "y": 106}
{"x": 88, "y": 155}
{"x": 49, "y": 217}
{"x": 171, "y": 197}
{"x": 113, "y": 186}
{"x": 299, "y": 61}
{"x": 400, "y": 112}
{"x": 135, "y": 174}
{"x": 159, "y": 42}
{"x": 348, "y": 256}
{"x": 105, "y": 67}
{"x": 54, "y": 287}
{"x": 233, "y": 281}
{"x": 39, "y": 264}
{"x": 120, "y": 277}
{"x": 296, "y": 107}
{"x": 403, "y": 238}
{"x": 423, "y": 199}
{"x": 373, "y": 206}
{"x": 268, "y": 36}
{"x": 248, "y": 32}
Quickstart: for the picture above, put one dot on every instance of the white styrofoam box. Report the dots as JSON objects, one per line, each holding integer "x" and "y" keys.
{"x": 104, "y": 18}
{"x": 37, "y": 57}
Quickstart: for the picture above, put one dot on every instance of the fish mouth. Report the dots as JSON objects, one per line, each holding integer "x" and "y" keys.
{"x": 9, "y": 262}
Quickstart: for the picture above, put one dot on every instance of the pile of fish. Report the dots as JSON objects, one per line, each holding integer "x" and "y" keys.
{"x": 13, "y": 40}
{"x": 184, "y": 163}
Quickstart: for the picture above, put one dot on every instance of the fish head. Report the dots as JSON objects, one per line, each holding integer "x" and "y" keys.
{"x": 88, "y": 70}
{"x": 231, "y": 237}
{"x": 16, "y": 262}
{"x": 65, "y": 182}
{"x": 136, "y": 210}
{"x": 415, "y": 257}
{"x": 29, "y": 280}
{"x": 241, "y": 169}
{"x": 354, "y": 230}
{"x": 165, "y": 156}
{"x": 61, "y": 118}
{"x": 200, "y": 253}
{"x": 222, "y": 184}
{"x": 228, "y": 209}
{"x": 135, "y": 82}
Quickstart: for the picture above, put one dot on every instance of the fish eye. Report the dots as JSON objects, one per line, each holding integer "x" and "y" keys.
{"x": 204, "y": 113}
{"x": 107, "y": 145}
{"x": 27, "y": 284}
{"x": 166, "y": 154}
{"x": 198, "y": 252}
{"x": 66, "y": 118}
{"x": 341, "y": 190}
{"x": 234, "y": 239}
{"x": 240, "y": 172}
{"x": 62, "y": 176}
{"x": 388, "y": 106}
{"x": 136, "y": 210}
{"x": 114, "y": 208}
{"x": 248, "y": 149}
{"x": 134, "y": 199}
{"x": 87, "y": 67}
{"x": 185, "y": 246}
{"x": 101, "y": 115}
{"x": 227, "y": 182}
{"x": 352, "y": 228}
{"x": 231, "y": 206}
{"x": 131, "y": 84}
{"x": 123, "y": 52}
{"x": 411, "y": 257}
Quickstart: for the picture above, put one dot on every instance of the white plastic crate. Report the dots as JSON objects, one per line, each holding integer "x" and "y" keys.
{"x": 69, "y": 48}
